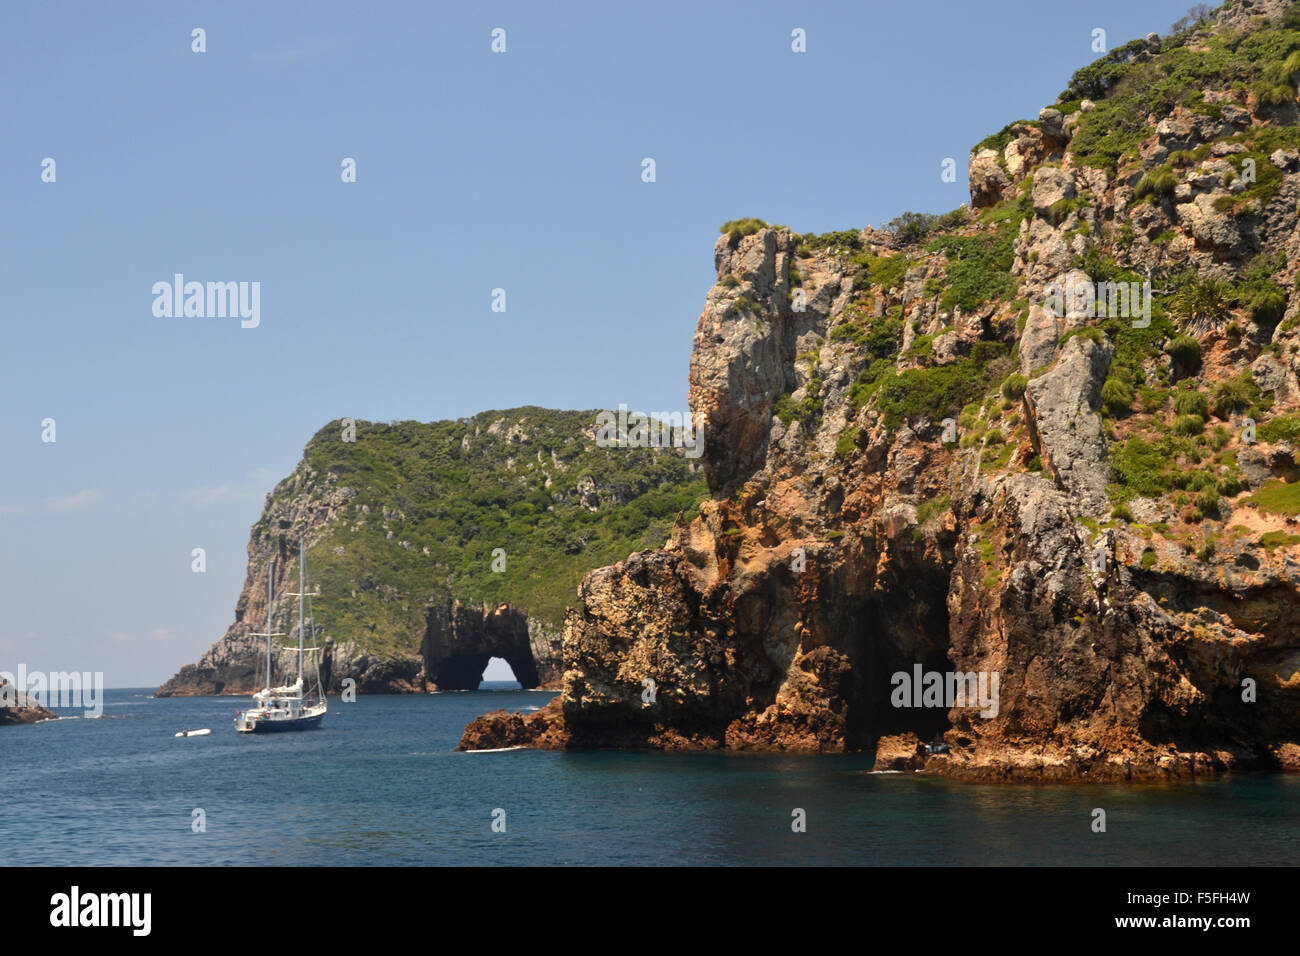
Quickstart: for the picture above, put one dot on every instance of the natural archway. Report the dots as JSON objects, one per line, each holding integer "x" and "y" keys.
{"x": 459, "y": 641}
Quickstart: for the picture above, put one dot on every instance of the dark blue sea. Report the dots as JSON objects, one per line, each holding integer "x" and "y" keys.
{"x": 380, "y": 784}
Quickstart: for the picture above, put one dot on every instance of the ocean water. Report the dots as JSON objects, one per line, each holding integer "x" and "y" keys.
{"x": 381, "y": 785}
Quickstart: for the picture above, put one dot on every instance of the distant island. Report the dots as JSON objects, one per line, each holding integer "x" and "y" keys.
{"x": 436, "y": 546}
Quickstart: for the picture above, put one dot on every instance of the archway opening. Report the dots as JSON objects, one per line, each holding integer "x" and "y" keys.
{"x": 499, "y": 675}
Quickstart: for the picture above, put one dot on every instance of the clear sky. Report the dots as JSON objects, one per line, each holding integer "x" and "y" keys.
{"x": 520, "y": 170}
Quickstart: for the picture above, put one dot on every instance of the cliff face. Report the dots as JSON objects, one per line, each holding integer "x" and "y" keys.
{"x": 434, "y": 547}
{"x": 921, "y": 459}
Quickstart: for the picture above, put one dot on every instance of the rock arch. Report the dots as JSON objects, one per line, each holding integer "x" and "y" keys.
{"x": 459, "y": 641}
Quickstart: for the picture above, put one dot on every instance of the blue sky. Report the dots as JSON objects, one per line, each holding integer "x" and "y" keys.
{"x": 475, "y": 171}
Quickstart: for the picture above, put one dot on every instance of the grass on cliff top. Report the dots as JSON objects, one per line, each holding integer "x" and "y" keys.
{"x": 454, "y": 489}
{"x": 1127, "y": 92}
{"x": 737, "y": 229}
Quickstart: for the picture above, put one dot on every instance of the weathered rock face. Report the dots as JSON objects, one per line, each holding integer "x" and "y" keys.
{"x": 1042, "y": 554}
{"x": 459, "y": 641}
{"x": 1061, "y": 411}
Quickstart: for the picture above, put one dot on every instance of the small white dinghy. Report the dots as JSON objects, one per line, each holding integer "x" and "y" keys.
{"x": 194, "y": 733}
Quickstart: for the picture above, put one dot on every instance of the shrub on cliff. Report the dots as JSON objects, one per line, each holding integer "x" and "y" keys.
{"x": 1186, "y": 353}
{"x": 911, "y": 227}
{"x": 1102, "y": 75}
{"x": 1159, "y": 182}
{"x": 1233, "y": 395}
{"x": 1116, "y": 397}
{"x": 978, "y": 269}
{"x": 788, "y": 410}
{"x": 1191, "y": 402}
{"x": 1129, "y": 91}
{"x": 1014, "y": 385}
{"x": 737, "y": 229}
{"x": 941, "y": 391}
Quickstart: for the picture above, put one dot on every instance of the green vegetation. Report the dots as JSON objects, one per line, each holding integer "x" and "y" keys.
{"x": 942, "y": 390}
{"x": 1278, "y": 539}
{"x": 1014, "y": 385}
{"x": 1191, "y": 402}
{"x": 419, "y": 509}
{"x": 1059, "y": 210}
{"x": 1281, "y": 428}
{"x": 877, "y": 336}
{"x": 843, "y": 242}
{"x": 737, "y": 229}
{"x": 1236, "y": 394}
{"x": 847, "y": 442}
{"x": 1167, "y": 463}
{"x": 1199, "y": 297}
{"x": 1099, "y": 266}
{"x": 1278, "y": 497}
{"x": 885, "y": 271}
{"x": 979, "y": 268}
{"x": 933, "y": 506}
{"x": 1116, "y": 397}
{"x": 1089, "y": 332}
{"x": 1158, "y": 182}
{"x": 1098, "y": 78}
{"x": 788, "y": 410}
{"x": 984, "y": 545}
{"x": 865, "y": 386}
{"x": 1127, "y": 92}
{"x": 1186, "y": 353}
{"x": 996, "y": 141}
{"x": 912, "y": 227}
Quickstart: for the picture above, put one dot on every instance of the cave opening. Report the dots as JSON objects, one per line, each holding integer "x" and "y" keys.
{"x": 894, "y": 638}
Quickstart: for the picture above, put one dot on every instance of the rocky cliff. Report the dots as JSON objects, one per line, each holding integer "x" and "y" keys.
{"x": 1008, "y": 493}
{"x": 19, "y": 707}
{"x": 434, "y": 547}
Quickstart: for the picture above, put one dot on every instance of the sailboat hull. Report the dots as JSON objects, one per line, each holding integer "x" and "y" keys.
{"x": 280, "y": 726}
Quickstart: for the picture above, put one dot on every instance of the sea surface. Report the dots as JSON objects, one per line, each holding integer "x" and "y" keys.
{"x": 380, "y": 784}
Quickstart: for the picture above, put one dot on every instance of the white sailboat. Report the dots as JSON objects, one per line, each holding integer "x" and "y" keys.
{"x": 284, "y": 708}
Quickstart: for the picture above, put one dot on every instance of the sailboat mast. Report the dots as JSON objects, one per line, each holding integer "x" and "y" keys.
{"x": 302, "y": 590}
{"x": 270, "y": 599}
